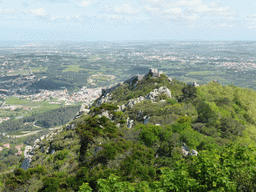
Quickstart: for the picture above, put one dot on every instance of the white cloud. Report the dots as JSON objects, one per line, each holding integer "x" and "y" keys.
{"x": 172, "y": 3}
{"x": 39, "y": 12}
{"x": 189, "y": 9}
{"x": 202, "y": 8}
{"x": 175, "y": 10}
{"x": 186, "y": 3}
{"x": 151, "y": 9}
{"x": 214, "y": 4}
{"x": 85, "y": 3}
{"x": 191, "y": 17}
{"x": 126, "y": 8}
{"x": 251, "y": 21}
{"x": 251, "y": 18}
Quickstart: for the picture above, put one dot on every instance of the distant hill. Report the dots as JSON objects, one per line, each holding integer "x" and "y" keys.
{"x": 48, "y": 84}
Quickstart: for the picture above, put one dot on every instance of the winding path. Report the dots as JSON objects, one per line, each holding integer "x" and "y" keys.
{"x": 33, "y": 132}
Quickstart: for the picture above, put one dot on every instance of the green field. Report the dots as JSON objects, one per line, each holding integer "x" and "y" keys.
{"x": 36, "y": 107}
{"x": 74, "y": 68}
{"x": 39, "y": 69}
{"x": 206, "y": 73}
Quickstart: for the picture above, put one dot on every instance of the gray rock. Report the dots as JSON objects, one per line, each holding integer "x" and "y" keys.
{"x": 140, "y": 114}
{"x": 185, "y": 149}
{"x": 42, "y": 138}
{"x": 106, "y": 114}
{"x": 146, "y": 119}
{"x": 83, "y": 110}
{"x": 83, "y": 107}
{"x": 70, "y": 126}
{"x": 27, "y": 158}
{"x": 103, "y": 99}
{"x": 122, "y": 107}
{"x": 166, "y": 91}
{"x": 52, "y": 151}
{"x": 154, "y": 94}
{"x": 36, "y": 141}
{"x": 130, "y": 103}
{"x": 195, "y": 84}
{"x": 26, "y": 163}
{"x": 129, "y": 123}
{"x": 193, "y": 152}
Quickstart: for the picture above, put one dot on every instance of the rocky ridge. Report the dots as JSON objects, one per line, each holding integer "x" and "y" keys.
{"x": 104, "y": 98}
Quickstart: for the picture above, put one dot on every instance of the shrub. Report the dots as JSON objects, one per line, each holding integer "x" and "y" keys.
{"x": 50, "y": 184}
{"x": 171, "y": 101}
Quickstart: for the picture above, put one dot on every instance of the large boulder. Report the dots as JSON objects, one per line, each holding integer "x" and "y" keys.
{"x": 129, "y": 123}
{"x": 104, "y": 99}
{"x": 154, "y": 94}
{"x": 146, "y": 119}
{"x": 27, "y": 158}
{"x": 186, "y": 151}
{"x": 70, "y": 126}
{"x": 166, "y": 91}
{"x": 106, "y": 114}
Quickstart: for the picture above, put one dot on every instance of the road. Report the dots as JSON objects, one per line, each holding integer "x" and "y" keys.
{"x": 24, "y": 135}
{"x": 33, "y": 132}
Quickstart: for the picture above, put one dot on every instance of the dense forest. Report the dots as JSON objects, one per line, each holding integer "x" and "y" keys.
{"x": 199, "y": 139}
{"x": 48, "y": 119}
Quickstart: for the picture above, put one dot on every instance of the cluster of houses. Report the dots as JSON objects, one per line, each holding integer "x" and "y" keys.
{"x": 83, "y": 95}
{"x": 7, "y": 146}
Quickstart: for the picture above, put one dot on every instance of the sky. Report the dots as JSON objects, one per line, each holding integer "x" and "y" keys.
{"x": 127, "y": 20}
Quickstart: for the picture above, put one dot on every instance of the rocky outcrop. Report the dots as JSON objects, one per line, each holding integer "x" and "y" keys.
{"x": 83, "y": 110}
{"x": 103, "y": 99}
{"x": 162, "y": 90}
{"x": 186, "y": 151}
{"x": 129, "y": 123}
{"x": 106, "y": 93}
{"x": 70, "y": 126}
{"x": 193, "y": 152}
{"x": 133, "y": 102}
{"x": 146, "y": 119}
{"x": 106, "y": 114}
{"x": 27, "y": 157}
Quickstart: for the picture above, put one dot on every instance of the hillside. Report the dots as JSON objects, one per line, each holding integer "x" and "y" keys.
{"x": 149, "y": 133}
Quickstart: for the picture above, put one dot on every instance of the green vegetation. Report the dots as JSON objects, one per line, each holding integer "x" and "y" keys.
{"x": 102, "y": 154}
{"x": 52, "y": 118}
{"x": 32, "y": 107}
{"x": 74, "y": 68}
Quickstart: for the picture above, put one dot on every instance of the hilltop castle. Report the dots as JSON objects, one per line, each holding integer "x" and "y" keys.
{"x": 133, "y": 80}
